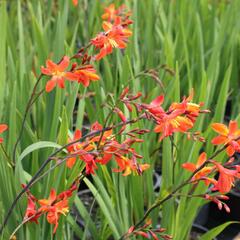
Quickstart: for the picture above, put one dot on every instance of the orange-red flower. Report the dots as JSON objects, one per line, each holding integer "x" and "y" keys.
{"x": 81, "y": 149}
{"x": 113, "y": 14}
{"x": 77, "y": 149}
{"x": 115, "y": 36}
{"x": 89, "y": 160}
{"x": 107, "y": 134}
{"x": 74, "y": 147}
{"x": 75, "y": 2}
{"x": 154, "y": 108}
{"x": 171, "y": 123}
{"x": 226, "y": 178}
{"x": 3, "y": 127}
{"x": 110, "y": 12}
{"x": 86, "y": 74}
{"x": 201, "y": 174}
{"x": 129, "y": 165}
{"x": 227, "y": 136}
{"x": 191, "y": 110}
{"x": 58, "y": 73}
{"x": 31, "y": 212}
{"x": 91, "y": 151}
{"x": 55, "y": 206}
{"x": 180, "y": 117}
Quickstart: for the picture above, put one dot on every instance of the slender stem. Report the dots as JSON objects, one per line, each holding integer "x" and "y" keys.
{"x": 49, "y": 159}
{"x": 104, "y": 125}
{"x": 6, "y": 155}
{"x": 55, "y": 166}
{"x": 29, "y": 104}
{"x": 20, "y": 225}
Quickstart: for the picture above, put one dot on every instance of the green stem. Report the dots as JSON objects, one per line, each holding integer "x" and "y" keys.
{"x": 29, "y": 104}
{"x": 7, "y": 157}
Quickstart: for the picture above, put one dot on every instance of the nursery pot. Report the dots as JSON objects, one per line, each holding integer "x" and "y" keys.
{"x": 233, "y": 203}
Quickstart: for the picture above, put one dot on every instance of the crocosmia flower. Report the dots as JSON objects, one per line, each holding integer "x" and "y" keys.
{"x": 58, "y": 73}
{"x": 127, "y": 166}
{"x": 110, "y": 12}
{"x": 226, "y": 178}
{"x": 201, "y": 174}
{"x": 115, "y": 36}
{"x": 31, "y": 212}
{"x": 191, "y": 110}
{"x": 180, "y": 117}
{"x": 75, "y": 2}
{"x": 85, "y": 74}
{"x": 55, "y": 206}
{"x": 171, "y": 123}
{"x": 227, "y": 136}
{"x": 3, "y": 127}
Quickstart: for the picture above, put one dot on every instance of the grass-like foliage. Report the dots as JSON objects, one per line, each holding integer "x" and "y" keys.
{"x": 102, "y": 94}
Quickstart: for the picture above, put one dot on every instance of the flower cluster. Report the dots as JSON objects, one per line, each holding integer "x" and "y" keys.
{"x": 81, "y": 74}
{"x": 147, "y": 231}
{"x": 53, "y": 207}
{"x": 228, "y": 173}
{"x": 180, "y": 117}
{"x": 102, "y": 148}
{"x": 115, "y": 35}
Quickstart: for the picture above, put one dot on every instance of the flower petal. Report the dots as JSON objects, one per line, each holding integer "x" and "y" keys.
{"x": 201, "y": 159}
{"x": 60, "y": 82}
{"x": 50, "y": 85}
{"x": 71, "y": 76}
{"x": 70, "y": 162}
{"x": 63, "y": 64}
{"x": 230, "y": 151}
{"x": 189, "y": 166}
{"x": 77, "y": 134}
{"x": 233, "y": 126}
{"x": 46, "y": 71}
{"x": 219, "y": 140}
{"x": 3, "y": 127}
{"x": 220, "y": 128}
{"x": 158, "y": 101}
{"x": 51, "y": 66}
{"x": 106, "y": 26}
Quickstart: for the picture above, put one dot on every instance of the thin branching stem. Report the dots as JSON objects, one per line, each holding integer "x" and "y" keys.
{"x": 29, "y": 105}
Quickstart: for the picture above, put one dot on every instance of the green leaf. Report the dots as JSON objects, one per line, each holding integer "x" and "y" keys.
{"x": 63, "y": 133}
{"x": 215, "y": 231}
{"x": 36, "y": 146}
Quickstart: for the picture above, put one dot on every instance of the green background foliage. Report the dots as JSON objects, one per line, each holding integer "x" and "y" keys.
{"x": 197, "y": 41}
